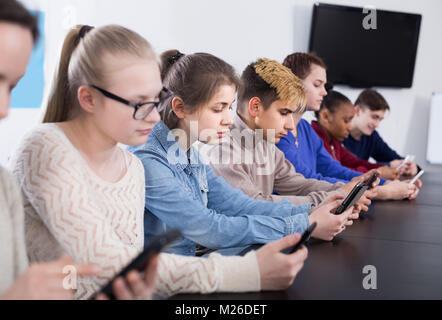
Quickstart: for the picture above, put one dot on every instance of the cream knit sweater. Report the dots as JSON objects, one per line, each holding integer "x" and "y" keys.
{"x": 70, "y": 210}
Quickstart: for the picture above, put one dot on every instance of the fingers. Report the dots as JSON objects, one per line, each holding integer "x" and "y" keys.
{"x": 366, "y": 176}
{"x": 414, "y": 193}
{"x": 121, "y": 290}
{"x": 151, "y": 272}
{"x": 346, "y": 214}
{"x": 299, "y": 256}
{"x": 101, "y": 296}
{"x": 354, "y": 215}
{"x": 371, "y": 193}
{"x": 136, "y": 284}
{"x": 418, "y": 183}
{"x": 375, "y": 183}
{"x": 348, "y": 223}
{"x": 332, "y": 205}
{"x": 334, "y": 197}
{"x": 364, "y": 203}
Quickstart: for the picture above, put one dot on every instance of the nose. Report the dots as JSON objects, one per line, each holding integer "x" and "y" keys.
{"x": 153, "y": 116}
{"x": 289, "y": 123}
{"x": 227, "y": 119}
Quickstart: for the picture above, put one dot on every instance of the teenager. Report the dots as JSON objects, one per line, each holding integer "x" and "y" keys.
{"x": 248, "y": 159}
{"x": 18, "y": 281}
{"x": 182, "y": 192}
{"x": 334, "y": 125}
{"x": 301, "y": 146}
{"x": 364, "y": 140}
{"x": 85, "y": 196}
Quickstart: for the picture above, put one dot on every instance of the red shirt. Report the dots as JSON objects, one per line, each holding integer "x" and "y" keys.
{"x": 341, "y": 154}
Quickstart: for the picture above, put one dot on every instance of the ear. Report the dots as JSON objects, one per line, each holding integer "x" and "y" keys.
{"x": 326, "y": 115}
{"x": 86, "y": 99}
{"x": 178, "y": 107}
{"x": 357, "y": 109}
{"x": 254, "y": 106}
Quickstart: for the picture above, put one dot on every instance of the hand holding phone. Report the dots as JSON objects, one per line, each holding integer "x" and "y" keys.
{"x": 352, "y": 198}
{"x": 305, "y": 236}
{"x": 140, "y": 263}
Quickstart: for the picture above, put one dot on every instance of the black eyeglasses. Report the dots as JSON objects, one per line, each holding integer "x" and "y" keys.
{"x": 142, "y": 109}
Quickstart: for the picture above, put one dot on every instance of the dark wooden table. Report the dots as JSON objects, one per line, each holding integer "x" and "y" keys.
{"x": 401, "y": 239}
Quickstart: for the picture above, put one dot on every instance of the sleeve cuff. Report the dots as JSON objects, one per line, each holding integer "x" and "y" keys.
{"x": 302, "y": 209}
{"x": 238, "y": 274}
{"x": 296, "y": 224}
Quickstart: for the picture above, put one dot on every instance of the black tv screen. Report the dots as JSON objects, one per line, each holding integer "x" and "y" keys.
{"x": 355, "y": 56}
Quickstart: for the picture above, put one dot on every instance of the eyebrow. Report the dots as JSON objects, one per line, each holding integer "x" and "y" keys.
{"x": 224, "y": 103}
{"x": 145, "y": 98}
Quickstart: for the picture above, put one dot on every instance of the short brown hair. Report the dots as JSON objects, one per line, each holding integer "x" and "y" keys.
{"x": 300, "y": 63}
{"x": 12, "y": 11}
{"x": 373, "y": 100}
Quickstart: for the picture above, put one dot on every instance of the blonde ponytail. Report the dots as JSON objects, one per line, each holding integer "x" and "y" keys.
{"x": 60, "y": 99}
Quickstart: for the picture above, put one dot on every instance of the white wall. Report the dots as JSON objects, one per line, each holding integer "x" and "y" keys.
{"x": 239, "y": 31}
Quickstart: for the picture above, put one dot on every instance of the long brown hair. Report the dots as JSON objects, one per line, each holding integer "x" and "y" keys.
{"x": 195, "y": 78}
{"x": 82, "y": 63}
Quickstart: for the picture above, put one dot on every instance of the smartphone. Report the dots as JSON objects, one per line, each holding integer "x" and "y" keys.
{"x": 372, "y": 180}
{"x": 140, "y": 263}
{"x": 407, "y": 158}
{"x": 417, "y": 176}
{"x": 352, "y": 198}
{"x": 306, "y": 235}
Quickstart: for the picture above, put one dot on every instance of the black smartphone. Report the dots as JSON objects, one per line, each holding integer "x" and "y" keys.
{"x": 352, "y": 198}
{"x": 307, "y": 233}
{"x": 140, "y": 263}
{"x": 372, "y": 180}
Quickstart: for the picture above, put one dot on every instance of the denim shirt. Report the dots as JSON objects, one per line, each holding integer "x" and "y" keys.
{"x": 184, "y": 193}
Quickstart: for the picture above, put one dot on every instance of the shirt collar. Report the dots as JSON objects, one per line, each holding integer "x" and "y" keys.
{"x": 175, "y": 153}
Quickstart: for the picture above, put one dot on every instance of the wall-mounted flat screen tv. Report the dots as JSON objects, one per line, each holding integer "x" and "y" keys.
{"x": 365, "y": 49}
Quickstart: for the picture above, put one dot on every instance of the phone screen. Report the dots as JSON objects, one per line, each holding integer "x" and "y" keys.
{"x": 352, "y": 198}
